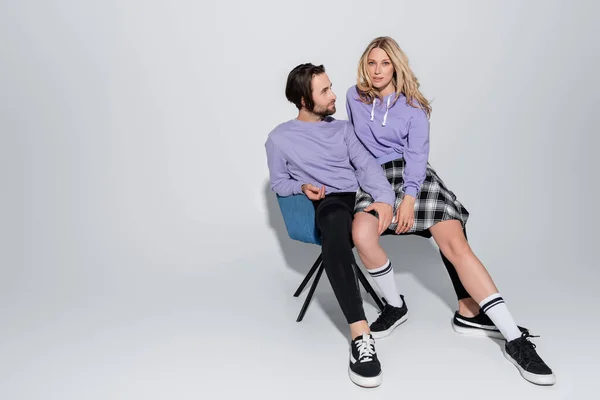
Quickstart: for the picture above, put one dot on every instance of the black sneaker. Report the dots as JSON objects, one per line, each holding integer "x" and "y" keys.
{"x": 479, "y": 325}
{"x": 364, "y": 369}
{"x": 521, "y": 352}
{"x": 389, "y": 319}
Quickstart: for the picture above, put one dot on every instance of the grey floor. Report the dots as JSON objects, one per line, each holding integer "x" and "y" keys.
{"x": 128, "y": 328}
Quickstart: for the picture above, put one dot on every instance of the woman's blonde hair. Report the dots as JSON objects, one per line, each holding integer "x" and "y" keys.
{"x": 404, "y": 79}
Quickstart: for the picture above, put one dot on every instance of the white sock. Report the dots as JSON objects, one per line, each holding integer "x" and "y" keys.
{"x": 495, "y": 308}
{"x": 384, "y": 278}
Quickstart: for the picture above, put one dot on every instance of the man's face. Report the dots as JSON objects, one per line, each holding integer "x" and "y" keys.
{"x": 323, "y": 96}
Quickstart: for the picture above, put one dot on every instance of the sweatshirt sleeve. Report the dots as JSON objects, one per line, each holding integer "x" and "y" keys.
{"x": 281, "y": 181}
{"x": 416, "y": 154}
{"x": 369, "y": 174}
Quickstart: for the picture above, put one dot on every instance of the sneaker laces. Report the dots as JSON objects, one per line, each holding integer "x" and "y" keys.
{"x": 527, "y": 348}
{"x": 386, "y": 317}
{"x": 366, "y": 348}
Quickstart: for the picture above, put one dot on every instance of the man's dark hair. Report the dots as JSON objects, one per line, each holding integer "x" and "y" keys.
{"x": 299, "y": 86}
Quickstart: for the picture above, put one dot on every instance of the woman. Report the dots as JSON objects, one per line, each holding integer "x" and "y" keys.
{"x": 391, "y": 118}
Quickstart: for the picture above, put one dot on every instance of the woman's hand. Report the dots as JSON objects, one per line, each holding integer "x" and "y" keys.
{"x": 385, "y": 213}
{"x": 405, "y": 215}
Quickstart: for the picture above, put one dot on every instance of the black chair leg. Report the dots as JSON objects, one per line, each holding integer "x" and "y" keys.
{"x": 318, "y": 268}
{"x": 309, "y": 275}
{"x": 369, "y": 288}
{"x": 310, "y": 292}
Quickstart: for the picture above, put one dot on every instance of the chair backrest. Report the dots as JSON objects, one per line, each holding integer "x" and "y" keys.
{"x": 299, "y": 216}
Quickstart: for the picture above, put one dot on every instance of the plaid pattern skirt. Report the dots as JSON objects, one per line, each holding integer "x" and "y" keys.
{"x": 434, "y": 203}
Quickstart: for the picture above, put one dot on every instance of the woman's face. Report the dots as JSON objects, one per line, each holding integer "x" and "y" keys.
{"x": 381, "y": 70}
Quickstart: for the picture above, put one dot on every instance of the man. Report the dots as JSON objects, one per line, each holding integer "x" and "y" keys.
{"x": 321, "y": 157}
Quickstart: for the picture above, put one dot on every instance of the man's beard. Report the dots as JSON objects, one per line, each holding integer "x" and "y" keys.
{"x": 323, "y": 111}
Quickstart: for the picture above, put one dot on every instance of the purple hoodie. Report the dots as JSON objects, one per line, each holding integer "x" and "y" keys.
{"x": 323, "y": 153}
{"x": 392, "y": 130}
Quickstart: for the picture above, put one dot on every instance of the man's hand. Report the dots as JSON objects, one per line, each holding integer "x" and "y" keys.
{"x": 313, "y": 192}
{"x": 385, "y": 213}
{"x": 405, "y": 215}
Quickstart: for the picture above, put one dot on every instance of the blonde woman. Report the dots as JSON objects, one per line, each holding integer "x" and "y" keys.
{"x": 391, "y": 119}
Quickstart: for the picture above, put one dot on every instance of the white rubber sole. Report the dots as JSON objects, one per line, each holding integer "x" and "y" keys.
{"x": 363, "y": 381}
{"x": 387, "y": 332}
{"x": 477, "y": 332}
{"x": 544, "y": 380}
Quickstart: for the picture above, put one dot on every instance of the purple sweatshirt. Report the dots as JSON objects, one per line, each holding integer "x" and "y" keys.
{"x": 323, "y": 153}
{"x": 391, "y": 131}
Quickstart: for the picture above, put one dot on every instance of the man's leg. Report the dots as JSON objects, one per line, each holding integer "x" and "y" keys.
{"x": 334, "y": 221}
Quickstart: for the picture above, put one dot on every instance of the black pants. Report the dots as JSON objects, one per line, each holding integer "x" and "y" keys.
{"x": 334, "y": 215}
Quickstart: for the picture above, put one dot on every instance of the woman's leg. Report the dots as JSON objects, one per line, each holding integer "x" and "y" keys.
{"x": 467, "y": 307}
{"x": 365, "y": 235}
{"x": 452, "y": 242}
{"x": 366, "y": 239}
{"x": 518, "y": 349}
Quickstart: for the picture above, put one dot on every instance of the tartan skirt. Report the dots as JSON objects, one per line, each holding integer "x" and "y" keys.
{"x": 434, "y": 203}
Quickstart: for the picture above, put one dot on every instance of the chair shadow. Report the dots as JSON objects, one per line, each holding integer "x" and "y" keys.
{"x": 410, "y": 254}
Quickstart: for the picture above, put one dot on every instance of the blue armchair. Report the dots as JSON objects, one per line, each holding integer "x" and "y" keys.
{"x": 299, "y": 217}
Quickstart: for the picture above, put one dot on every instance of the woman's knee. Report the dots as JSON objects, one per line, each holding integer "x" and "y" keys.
{"x": 364, "y": 231}
{"x": 455, "y": 248}
{"x": 451, "y": 240}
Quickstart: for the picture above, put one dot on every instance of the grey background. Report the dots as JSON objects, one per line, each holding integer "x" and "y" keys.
{"x": 143, "y": 256}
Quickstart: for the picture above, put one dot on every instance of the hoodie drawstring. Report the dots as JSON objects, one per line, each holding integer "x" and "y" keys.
{"x": 386, "y": 110}
{"x": 373, "y": 109}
